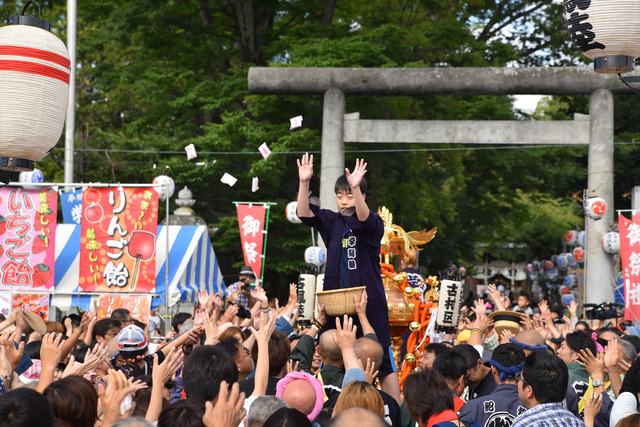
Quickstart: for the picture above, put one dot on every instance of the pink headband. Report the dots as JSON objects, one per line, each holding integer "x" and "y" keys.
{"x": 594, "y": 337}
{"x": 315, "y": 383}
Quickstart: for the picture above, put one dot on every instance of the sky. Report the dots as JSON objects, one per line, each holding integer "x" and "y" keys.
{"x": 526, "y": 103}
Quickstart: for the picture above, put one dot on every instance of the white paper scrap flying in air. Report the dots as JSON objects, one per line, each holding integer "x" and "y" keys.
{"x": 191, "y": 151}
{"x": 228, "y": 179}
{"x": 254, "y": 184}
{"x": 264, "y": 150}
{"x": 296, "y": 122}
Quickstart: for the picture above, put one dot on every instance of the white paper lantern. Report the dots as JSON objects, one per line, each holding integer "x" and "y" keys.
{"x": 567, "y": 298}
{"x": 571, "y": 237}
{"x": 315, "y": 255}
{"x": 34, "y": 79}
{"x": 29, "y": 177}
{"x": 578, "y": 254}
{"x": 605, "y": 31}
{"x": 611, "y": 242}
{"x": 292, "y": 215}
{"x": 571, "y": 281}
{"x": 165, "y": 186}
{"x": 548, "y": 265}
{"x": 596, "y": 207}
{"x": 462, "y": 270}
{"x": 582, "y": 239}
{"x": 563, "y": 260}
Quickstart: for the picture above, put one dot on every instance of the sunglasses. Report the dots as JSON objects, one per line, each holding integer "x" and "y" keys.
{"x": 246, "y": 353}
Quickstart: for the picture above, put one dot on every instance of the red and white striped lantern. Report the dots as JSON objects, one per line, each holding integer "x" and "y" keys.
{"x": 605, "y": 31}
{"x": 34, "y": 77}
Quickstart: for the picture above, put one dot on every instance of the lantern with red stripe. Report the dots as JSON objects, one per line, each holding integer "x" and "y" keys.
{"x": 34, "y": 76}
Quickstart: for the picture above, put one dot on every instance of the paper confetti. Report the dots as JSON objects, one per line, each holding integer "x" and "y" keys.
{"x": 296, "y": 122}
{"x": 228, "y": 179}
{"x": 191, "y": 151}
{"x": 254, "y": 184}
{"x": 264, "y": 150}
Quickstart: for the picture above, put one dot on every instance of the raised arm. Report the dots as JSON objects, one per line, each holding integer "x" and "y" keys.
{"x": 354, "y": 178}
{"x": 361, "y": 310}
{"x": 305, "y": 172}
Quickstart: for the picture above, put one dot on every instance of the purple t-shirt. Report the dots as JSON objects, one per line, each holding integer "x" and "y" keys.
{"x": 362, "y": 251}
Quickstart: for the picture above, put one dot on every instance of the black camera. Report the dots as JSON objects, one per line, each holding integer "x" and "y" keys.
{"x": 242, "y": 313}
{"x": 607, "y": 310}
{"x": 246, "y": 287}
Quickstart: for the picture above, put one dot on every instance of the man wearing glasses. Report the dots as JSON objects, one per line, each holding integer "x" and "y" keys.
{"x": 542, "y": 387}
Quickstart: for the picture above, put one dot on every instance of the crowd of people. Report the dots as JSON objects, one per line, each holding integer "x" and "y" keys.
{"x": 246, "y": 361}
{"x": 222, "y": 369}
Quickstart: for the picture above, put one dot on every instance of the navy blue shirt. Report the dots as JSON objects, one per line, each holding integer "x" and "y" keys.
{"x": 361, "y": 249}
{"x": 499, "y": 408}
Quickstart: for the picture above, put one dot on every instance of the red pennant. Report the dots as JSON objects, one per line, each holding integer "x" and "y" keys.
{"x": 251, "y": 223}
{"x": 630, "y": 257}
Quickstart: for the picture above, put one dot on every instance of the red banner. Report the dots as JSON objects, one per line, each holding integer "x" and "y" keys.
{"x": 27, "y": 238}
{"x": 118, "y": 242}
{"x": 630, "y": 258}
{"x": 251, "y": 223}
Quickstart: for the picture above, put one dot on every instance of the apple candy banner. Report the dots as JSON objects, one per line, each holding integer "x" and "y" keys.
{"x": 27, "y": 238}
{"x": 139, "y": 306}
{"x": 118, "y": 240}
{"x": 630, "y": 258}
{"x": 251, "y": 222}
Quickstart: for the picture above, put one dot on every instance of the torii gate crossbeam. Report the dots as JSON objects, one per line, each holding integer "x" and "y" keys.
{"x": 335, "y": 83}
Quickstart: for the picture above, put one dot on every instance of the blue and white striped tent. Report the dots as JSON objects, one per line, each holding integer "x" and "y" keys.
{"x": 192, "y": 267}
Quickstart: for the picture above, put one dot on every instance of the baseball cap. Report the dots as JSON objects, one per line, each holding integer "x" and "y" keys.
{"x": 247, "y": 270}
{"x": 132, "y": 338}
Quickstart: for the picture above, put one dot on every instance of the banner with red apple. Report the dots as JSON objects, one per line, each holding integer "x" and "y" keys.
{"x": 27, "y": 238}
{"x": 117, "y": 244}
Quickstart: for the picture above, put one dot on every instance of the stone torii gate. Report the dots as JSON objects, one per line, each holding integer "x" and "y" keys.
{"x": 596, "y": 129}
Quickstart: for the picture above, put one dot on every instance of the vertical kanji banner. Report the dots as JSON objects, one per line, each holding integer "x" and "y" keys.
{"x": 251, "y": 223}
{"x": 630, "y": 258}
{"x": 27, "y": 238}
{"x": 71, "y": 204}
{"x": 118, "y": 240}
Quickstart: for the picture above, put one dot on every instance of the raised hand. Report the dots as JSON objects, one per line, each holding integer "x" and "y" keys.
{"x": 505, "y": 336}
{"x": 13, "y": 354}
{"x": 259, "y": 294}
{"x": 479, "y": 307}
{"x": 592, "y": 405}
{"x": 360, "y": 303}
{"x": 305, "y": 167}
{"x": 228, "y": 410}
{"x": 356, "y": 176}
{"x": 591, "y": 363}
{"x": 346, "y": 336}
{"x": 370, "y": 371}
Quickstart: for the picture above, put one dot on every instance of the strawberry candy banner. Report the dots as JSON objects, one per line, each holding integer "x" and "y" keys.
{"x": 630, "y": 258}
{"x": 27, "y": 238}
{"x": 252, "y": 231}
{"x": 118, "y": 240}
{"x": 35, "y": 303}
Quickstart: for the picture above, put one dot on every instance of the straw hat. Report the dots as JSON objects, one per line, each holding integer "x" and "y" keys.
{"x": 35, "y": 322}
{"x": 506, "y": 320}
